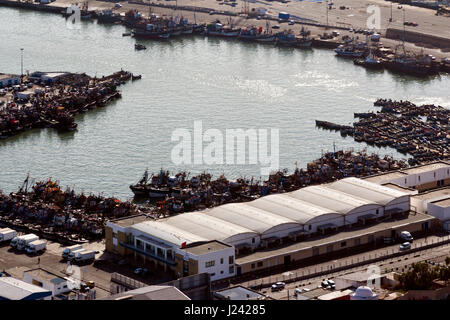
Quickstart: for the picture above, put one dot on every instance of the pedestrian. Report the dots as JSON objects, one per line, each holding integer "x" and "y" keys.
{"x": 39, "y": 260}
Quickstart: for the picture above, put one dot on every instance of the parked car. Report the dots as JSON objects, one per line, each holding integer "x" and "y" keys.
{"x": 405, "y": 235}
{"x": 405, "y": 246}
{"x": 328, "y": 284}
{"x": 278, "y": 286}
{"x": 291, "y": 22}
{"x": 118, "y": 5}
{"x": 141, "y": 271}
{"x": 276, "y": 27}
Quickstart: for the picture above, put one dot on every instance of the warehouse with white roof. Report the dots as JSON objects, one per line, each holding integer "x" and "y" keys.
{"x": 307, "y": 212}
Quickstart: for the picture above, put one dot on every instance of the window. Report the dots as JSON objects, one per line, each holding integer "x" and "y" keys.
{"x": 221, "y": 272}
{"x": 405, "y": 181}
{"x": 231, "y": 269}
{"x": 419, "y": 178}
{"x": 434, "y": 174}
{"x": 253, "y": 266}
{"x": 330, "y": 248}
{"x": 357, "y": 241}
{"x": 221, "y": 260}
{"x": 253, "y": 240}
{"x": 377, "y": 211}
{"x": 260, "y": 264}
{"x": 213, "y": 274}
{"x": 209, "y": 264}
{"x": 231, "y": 260}
{"x": 315, "y": 251}
{"x": 343, "y": 243}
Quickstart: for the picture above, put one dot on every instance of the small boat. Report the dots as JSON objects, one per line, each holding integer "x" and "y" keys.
{"x": 138, "y": 46}
{"x": 370, "y": 63}
{"x": 133, "y": 77}
{"x": 126, "y": 34}
{"x": 348, "y": 52}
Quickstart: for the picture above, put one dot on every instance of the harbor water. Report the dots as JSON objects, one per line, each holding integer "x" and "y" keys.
{"x": 226, "y": 84}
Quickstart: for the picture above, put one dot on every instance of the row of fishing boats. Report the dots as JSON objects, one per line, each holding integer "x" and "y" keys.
{"x": 400, "y": 61}
{"x": 252, "y": 34}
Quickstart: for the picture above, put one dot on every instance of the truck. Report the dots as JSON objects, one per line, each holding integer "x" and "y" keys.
{"x": 25, "y": 240}
{"x": 68, "y": 250}
{"x": 84, "y": 256}
{"x": 283, "y": 16}
{"x": 7, "y": 234}
{"x": 72, "y": 254}
{"x": 36, "y": 246}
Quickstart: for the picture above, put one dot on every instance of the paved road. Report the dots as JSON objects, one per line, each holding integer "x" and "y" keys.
{"x": 386, "y": 265}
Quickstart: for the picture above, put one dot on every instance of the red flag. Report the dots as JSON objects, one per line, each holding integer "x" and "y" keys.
{"x": 183, "y": 245}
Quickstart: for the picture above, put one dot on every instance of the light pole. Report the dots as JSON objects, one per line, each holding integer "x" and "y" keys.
{"x": 390, "y": 20}
{"x": 21, "y": 64}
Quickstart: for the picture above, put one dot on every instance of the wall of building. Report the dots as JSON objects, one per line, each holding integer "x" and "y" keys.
{"x": 437, "y": 211}
{"x": 328, "y": 248}
{"x": 425, "y": 180}
{"x": 221, "y": 268}
{"x": 54, "y": 288}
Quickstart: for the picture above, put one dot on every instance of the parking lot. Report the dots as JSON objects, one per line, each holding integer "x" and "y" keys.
{"x": 15, "y": 263}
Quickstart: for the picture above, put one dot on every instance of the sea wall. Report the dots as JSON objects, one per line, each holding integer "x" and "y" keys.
{"x": 419, "y": 38}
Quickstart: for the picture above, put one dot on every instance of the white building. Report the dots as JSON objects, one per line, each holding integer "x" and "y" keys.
{"x": 424, "y": 177}
{"x": 15, "y": 289}
{"x": 435, "y": 203}
{"x": 47, "y": 280}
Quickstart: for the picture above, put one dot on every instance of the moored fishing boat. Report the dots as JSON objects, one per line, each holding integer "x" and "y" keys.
{"x": 348, "y": 52}
{"x": 217, "y": 30}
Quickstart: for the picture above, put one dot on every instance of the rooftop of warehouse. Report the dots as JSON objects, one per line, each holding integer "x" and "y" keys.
{"x": 443, "y": 202}
{"x": 384, "y": 176}
{"x": 238, "y": 293}
{"x": 378, "y": 178}
{"x": 45, "y": 275}
{"x": 15, "y": 289}
{"x": 427, "y": 167}
{"x": 150, "y": 293}
{"x": 340, "y": 236}
{"x": 438, "y": 194}
{"x": 210, "y": 246}
{"x": 131, "y": 220}
{"x": 400, "y": 188}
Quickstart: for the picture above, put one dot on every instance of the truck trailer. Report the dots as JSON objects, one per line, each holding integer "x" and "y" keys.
{"x": 84, "y": 256}
{"x": 36, "y": 246}
{"x": 68, "y": 250}
{"x": 7, "y": 234}
{"x": 25, "y": 240}
{"x": 72, "y": 254}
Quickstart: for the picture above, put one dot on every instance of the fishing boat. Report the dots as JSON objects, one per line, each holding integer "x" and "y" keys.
{"x": 107, "y": 16}
{"x": 133, "y": 77}
{"x": 370, "y": 62}
{"x": 187, "y": 30}
{"x": 347, "y": 51}
{"x": 288, "y": 39}
{"x": 150, "y": 34}
{"x": 217, "y": 30}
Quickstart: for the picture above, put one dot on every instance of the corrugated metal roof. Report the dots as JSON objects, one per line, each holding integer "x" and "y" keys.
{"x": 299, "y": 207}
{"x": 15, "y": 289}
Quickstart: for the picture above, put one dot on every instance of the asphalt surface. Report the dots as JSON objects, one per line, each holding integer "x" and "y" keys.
{"x": 397, "y": 264}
